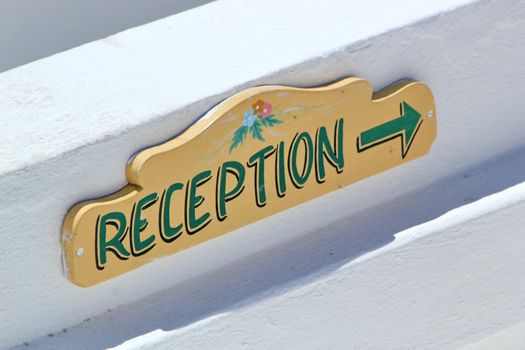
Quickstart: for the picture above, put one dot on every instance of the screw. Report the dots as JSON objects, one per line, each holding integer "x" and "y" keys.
{"x": 80, "y": 251}
{"x": 430, "y": 113}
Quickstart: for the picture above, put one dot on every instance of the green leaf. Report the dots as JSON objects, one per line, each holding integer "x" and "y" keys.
{"x": 238, "y": 137}
{"x": 257, "y": 130}
{"x": 262, "y": 120}
{"x": 271, "y": 120}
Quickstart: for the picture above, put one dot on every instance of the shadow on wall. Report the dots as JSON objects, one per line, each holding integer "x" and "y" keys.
{"x": 289, "y": 265}
{"x": 33, "y": 29}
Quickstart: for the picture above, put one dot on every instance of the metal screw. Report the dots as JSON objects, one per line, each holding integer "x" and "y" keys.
{"x": 430, "y": 113}
{"x": 80, "y": 251}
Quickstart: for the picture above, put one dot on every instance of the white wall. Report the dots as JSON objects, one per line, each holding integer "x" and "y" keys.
{"x": 71, "y": 121}
{"x": 438, "y": 285}
{"x": 33, "y": 29}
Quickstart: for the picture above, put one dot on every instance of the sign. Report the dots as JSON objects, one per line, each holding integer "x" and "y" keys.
{"x": 259, "y": 152}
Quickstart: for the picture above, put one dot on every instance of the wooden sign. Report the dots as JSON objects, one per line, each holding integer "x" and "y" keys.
{"x": 257, "y": 153}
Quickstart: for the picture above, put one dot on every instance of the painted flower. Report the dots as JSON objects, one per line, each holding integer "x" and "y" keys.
{"x": 258, "y": 106}
{"x": 249, "y": 118}
{"x": 255, "y": 120}
{"x": 266, "y": 110}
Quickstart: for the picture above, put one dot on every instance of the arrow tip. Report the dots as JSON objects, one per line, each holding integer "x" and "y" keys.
{"x": 412, "y": 119}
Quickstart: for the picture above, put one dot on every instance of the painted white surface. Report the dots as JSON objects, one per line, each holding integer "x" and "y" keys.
{"x": 71, "y": 121}
{"x": 511, "y": 338}
{"x": 435, "y": 286}
{"x": 112, "y": 86}
{"x": 33, "y": 29}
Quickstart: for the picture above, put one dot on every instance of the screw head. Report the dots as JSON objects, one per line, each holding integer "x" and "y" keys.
{"x": 430, "y": 113}
{"x": 80, "y": 251}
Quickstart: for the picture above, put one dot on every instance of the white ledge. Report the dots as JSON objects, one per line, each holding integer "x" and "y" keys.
{"x": 433, "y": 287}
{"x": 105, "y": 88}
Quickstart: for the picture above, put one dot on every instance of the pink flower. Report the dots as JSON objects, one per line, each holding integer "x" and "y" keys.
{"x": 266, "y": 110}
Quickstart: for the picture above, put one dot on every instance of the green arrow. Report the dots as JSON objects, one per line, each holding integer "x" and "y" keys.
{"x": 408, "y": 122}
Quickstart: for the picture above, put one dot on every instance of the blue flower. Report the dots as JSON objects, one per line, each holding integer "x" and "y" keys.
{"x": 249, "y": 118}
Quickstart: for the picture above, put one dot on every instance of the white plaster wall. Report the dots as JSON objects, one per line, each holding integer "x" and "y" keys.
{"x": 511, "y": 338}
{"x": 435, "y": 286}
{"x": 33, "y": 29}
{"x": 71, "y": 121}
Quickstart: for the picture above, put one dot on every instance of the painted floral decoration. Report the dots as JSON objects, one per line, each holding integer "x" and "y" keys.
{"x": 255, "y": 119}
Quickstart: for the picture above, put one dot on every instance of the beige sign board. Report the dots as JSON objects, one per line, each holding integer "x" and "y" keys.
{"x": 259, "y": 152}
